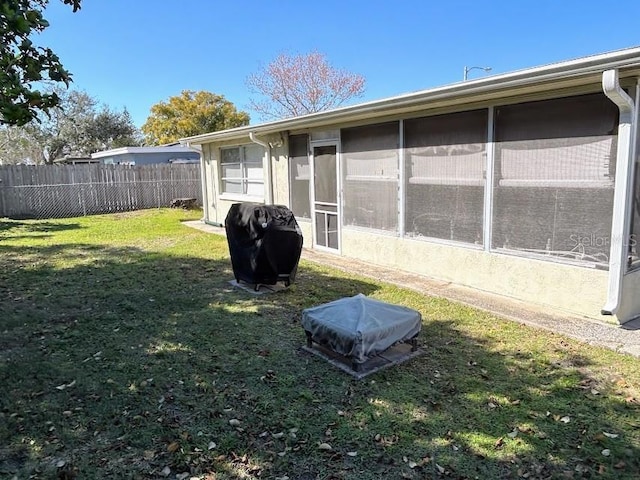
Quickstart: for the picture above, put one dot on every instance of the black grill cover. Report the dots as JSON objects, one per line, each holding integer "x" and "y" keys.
{"x": 265, "y": 243}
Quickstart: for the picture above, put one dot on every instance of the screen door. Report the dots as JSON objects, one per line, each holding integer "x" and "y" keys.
{"x": 325, "y": 196}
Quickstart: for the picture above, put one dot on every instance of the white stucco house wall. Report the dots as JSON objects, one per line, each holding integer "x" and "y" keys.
{"x": 524, "y": 184}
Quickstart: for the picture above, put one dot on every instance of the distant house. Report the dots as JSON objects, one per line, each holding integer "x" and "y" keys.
{"x": 147, "y": 155}
{"x": 524, "y": 184}
{"x": 76, "y": 160}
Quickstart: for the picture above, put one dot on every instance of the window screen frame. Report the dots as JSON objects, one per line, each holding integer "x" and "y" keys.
{"x": 293, "y": 176}
{"x": 245, "y": 180}
{"x": 565, "y": 187}
{"x": 391, "y": 181}
{"x": 415, "y": 143}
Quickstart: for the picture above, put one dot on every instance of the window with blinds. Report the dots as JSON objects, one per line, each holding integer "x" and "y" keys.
{"x": 554, "y": 178}
{"x": 371, "y": 176}
{"x": 242, "y": 170}
{"x": 445, "y": 158}
{"x": 299, "y": 175}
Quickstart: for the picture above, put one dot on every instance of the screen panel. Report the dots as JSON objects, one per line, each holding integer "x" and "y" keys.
{"x": 371, "y": 176}
{"x": 299, "y": 175}
{"x": 445, "y": 157}
{"x": 554, "y": 178}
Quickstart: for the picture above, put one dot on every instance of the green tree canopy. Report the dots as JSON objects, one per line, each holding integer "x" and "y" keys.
{"x": 191, "y": 113}
{"x": 77, "y": 126}
{"x": 23, "y": 64}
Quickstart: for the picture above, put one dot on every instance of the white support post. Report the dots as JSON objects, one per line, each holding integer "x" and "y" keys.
{"x": 487, "y": 217}
{"x": 402, "y": 194}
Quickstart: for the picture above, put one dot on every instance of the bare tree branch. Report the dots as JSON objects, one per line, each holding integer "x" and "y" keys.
{"x": 301, "y": 84}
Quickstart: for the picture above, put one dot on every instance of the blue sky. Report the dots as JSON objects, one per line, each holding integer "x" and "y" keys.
{"x": 135, "y": 53}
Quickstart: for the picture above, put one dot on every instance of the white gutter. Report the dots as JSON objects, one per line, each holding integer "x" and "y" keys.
{"x": 629, "y": 59}
{"x": 267, "y": 149}
{"x": 620, "y": 224}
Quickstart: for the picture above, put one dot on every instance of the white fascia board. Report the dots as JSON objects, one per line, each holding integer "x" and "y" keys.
{"x": 125, "y": 150}
{"x": 590, "y": 68}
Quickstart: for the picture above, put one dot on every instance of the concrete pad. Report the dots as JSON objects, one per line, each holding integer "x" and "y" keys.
{"x": 262, "y": 289}
{"x": 394, "y": 355}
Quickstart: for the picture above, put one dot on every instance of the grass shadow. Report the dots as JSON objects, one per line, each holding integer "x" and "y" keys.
{"x": 39, "y": 226}
{"x": 130, "y": 362}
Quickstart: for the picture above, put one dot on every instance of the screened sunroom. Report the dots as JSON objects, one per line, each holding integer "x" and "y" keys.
{"x": 524, "y": 184}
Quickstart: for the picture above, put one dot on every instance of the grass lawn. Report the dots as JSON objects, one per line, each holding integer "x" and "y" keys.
{"x": 125, "y": 353}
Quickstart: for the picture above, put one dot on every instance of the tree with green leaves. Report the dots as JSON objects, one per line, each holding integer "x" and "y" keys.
{"x": 191, "y": 113}
{"x": 77, "y": 126}
{"x": 23, "y": 65}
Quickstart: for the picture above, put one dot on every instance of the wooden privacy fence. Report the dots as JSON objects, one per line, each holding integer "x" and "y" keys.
{"x": 57, "y": 191}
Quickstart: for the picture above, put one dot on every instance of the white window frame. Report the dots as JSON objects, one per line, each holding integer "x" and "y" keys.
{"x": 244, "y": 178}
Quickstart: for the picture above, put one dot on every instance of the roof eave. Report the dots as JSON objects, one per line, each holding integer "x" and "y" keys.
{"x": 582, "y": 70}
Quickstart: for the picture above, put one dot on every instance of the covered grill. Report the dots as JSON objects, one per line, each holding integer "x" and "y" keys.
{"x": 265, "y": 243}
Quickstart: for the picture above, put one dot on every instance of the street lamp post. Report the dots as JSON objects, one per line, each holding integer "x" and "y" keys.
{"x": 468, "y": 69}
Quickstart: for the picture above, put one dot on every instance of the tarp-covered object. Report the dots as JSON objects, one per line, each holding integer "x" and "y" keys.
{"x": 360, "y": 327}
{"x": 265, "y": 243}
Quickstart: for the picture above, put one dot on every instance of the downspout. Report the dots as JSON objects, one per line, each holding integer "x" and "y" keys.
{"x": 620, "y": 225}
{"x": 267, "y": 147}
{"x": 203, "y": 186}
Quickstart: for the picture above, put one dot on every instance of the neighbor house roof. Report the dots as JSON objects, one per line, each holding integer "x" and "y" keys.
{"x": 570, "y": 74}
{"x": 142, "y": 150}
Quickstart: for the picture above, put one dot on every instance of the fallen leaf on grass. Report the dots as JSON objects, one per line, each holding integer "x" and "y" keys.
{"x": 212, "y": 445}
{"x": 166, "y": 471}
{"x": 352, "y": 454}
{"x": 610, "y": 435}
{"x": 173, "y": 447}
{"x": 66, "y": 385}
{"x": 513, "y": 434}
{"x": 622, "y": 383}
{"x": 182, "y": 476}
{"x": 149, "y": 454}
{"x": 324, "y": 446}
{"x": 234, "y": 422}
{"x": 606, "y": 452}
{"x": 565, "y": 419}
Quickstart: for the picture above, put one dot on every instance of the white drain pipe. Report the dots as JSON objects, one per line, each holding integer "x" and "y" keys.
{"x": 620, "y": 225}
{"x": 269, "y": 182}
